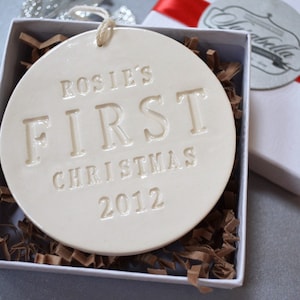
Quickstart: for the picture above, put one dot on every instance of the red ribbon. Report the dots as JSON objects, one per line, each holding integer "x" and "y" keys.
{"x": 187, "y": 12}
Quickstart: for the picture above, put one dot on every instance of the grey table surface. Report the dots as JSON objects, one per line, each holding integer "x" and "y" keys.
{"x": 273, "y": 239}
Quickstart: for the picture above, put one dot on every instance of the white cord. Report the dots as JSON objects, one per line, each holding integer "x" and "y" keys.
{"x": 105, "y": 29}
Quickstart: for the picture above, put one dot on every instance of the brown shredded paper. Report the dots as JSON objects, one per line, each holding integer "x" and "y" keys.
{"x": 207, "y": 251}
{"x": 39, "y": 48}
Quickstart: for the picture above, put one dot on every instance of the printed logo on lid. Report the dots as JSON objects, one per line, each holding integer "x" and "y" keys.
{"x": 275, "y": 56}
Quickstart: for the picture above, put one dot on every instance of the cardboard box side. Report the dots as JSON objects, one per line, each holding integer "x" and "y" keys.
{"x": 231, "y": 45}
{"x": 11, "y": 70}
{"x": 112, "y": 274}
{"x": 274, "y": 144}
{"x": 242, "y": 210}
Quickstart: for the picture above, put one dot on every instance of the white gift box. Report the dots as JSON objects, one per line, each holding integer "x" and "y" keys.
{"x": 232, "y": 46}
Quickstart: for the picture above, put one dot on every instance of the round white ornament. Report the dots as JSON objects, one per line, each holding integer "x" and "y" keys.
{"x": 118, "y": 149}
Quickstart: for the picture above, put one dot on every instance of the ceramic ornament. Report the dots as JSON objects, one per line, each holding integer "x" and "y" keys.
{"x": 118, "y": 147}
